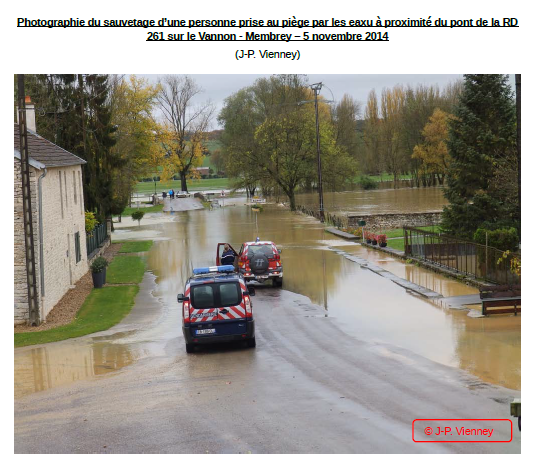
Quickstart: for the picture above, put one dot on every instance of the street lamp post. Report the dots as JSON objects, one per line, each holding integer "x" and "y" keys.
{"x": 316, "y": 87}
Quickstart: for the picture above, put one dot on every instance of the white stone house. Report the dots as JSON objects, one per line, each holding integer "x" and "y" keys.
{"x": 57, "y": 219}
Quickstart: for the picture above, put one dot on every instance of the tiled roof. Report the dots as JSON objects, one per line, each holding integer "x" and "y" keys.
{"x": 45, "y": 152}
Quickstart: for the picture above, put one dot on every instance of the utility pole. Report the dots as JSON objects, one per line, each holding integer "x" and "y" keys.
{"x": 31, "y": 279}
{"x": 518, "y": 119}
{"x": 316, "y": 87}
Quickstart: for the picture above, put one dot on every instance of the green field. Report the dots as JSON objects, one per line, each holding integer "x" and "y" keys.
{"x": 101, "y": 310}
{"x": 192, "y": 185}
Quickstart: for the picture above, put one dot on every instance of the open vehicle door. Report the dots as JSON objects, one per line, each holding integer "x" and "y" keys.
{"x": 220, "y": 249}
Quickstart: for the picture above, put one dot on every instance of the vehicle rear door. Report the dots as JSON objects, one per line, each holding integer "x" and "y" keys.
{"x": 217, "y": 309}
{"x": 220, "y": 249}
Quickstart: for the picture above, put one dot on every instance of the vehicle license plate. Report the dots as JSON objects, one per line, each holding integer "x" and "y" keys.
{"x": 206, "y": 332}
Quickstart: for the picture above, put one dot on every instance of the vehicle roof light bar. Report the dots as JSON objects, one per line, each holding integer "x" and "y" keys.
{"x": 214, "y": 269}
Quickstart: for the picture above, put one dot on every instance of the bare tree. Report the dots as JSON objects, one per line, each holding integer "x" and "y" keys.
{"x": 185, "y": 122}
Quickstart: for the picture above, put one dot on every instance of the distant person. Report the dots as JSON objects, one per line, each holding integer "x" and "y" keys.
{"x": 164, "y": 194}
{"x": 171, "y": 193}
{"x": 228, "y": 256}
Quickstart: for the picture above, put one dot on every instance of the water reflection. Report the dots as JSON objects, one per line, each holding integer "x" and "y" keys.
{"x": 49, "y": 366}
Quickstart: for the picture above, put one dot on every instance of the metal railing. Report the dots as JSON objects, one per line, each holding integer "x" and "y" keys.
{"x": 471, "y": 259}
{"x": 95, "y": 239}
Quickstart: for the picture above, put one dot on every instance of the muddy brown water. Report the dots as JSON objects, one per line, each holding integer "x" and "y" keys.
{"x": 378, "y": 201}
{"x": 366, "y": 305}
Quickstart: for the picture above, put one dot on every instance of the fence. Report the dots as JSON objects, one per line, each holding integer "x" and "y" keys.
{"x": 332, "y": 219}
{"x": 95, "y": 238}
{"x": 472, "y": 259}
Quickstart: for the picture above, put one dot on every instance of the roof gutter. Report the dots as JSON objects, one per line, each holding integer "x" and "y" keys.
{"x": 41, "y": 260}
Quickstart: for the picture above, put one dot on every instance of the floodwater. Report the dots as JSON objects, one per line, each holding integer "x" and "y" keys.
{"x": 366, "y": 305}
{"x": 52, "y": 365}
{"x": 378, "y": 201}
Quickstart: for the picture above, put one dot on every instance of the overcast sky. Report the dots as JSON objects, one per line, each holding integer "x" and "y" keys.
{"x": 218, "y": 87}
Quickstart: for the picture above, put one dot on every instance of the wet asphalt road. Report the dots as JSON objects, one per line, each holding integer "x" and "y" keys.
{"x": 309, "y": 387}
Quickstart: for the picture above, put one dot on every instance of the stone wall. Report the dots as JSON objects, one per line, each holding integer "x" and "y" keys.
{"x": 63, "y": 217}
{"x": 21, "y": 310}
{"x": 390, "y": 221}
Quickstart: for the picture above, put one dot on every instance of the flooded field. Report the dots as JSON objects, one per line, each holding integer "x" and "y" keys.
{"x": 378, "y": 201}
{"x": 365, "y": 305}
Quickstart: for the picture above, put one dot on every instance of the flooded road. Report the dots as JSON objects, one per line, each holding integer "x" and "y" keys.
{"x": 368, "y": 305}
{"x": 332, "y": 317}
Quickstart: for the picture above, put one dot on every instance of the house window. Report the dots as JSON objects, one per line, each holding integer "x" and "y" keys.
{"x": 61, "y": 194}
{"x": 75, "y": 187}
{"x": 78, "y": 255}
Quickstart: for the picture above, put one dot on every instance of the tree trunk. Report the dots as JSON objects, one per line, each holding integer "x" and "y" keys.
{"x": 183, "y": 176}
{"x": 291, "y": 196}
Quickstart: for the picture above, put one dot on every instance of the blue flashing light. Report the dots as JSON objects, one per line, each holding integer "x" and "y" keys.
{"x": 214, "y": 269}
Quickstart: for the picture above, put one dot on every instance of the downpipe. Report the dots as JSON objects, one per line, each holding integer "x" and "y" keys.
{"x": 41, "y": 260}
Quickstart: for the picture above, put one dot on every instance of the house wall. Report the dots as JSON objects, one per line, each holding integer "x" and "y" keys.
{"x": 20, "y": 283}
{"x": 63, "y": 216}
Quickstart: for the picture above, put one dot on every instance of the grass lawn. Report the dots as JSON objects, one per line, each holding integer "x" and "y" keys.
{"x": 192, "y": 185}
{"x": 125, "y": 270}
{"x": 101, "y": 310}
{"x": 129, "y": 210}
{"x": 135, "y": 247}
{"x": 398, "y": 232}
{"x": 397, "y": 244}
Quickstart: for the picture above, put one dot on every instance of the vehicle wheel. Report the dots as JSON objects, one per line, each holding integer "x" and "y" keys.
{"x": 251, "y": 343}
{"x": 189, "y": 348}
{"x": 277, "y": 282}
{"x": 519, "y": 423}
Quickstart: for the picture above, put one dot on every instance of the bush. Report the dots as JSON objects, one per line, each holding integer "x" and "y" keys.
{"x": 99, "y": 264}
{"x": 90, "y": 221}
{"x": 365, "y": 182}
{"x": 382, "y": 238}
{"x": 137, "y": 215}
{"x": 502, "y": 238}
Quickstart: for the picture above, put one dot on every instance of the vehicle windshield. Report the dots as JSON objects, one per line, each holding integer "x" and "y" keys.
{"x": 217, "y": 295}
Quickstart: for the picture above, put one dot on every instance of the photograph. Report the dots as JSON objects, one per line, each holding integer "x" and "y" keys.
{"x": 267, "y": 263}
